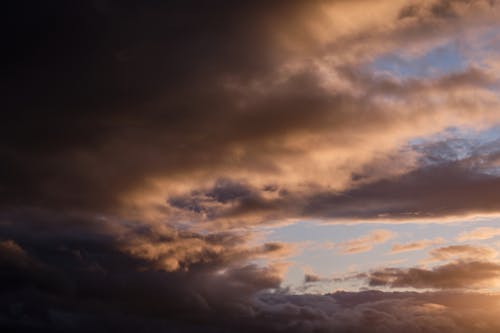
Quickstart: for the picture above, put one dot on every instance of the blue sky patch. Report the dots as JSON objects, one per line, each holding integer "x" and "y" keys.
{"x": 441, "y": 60}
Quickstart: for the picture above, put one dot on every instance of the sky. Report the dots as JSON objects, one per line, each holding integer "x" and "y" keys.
{"x": 273, "y": 166}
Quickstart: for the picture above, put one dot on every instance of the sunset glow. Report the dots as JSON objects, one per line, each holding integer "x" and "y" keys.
{"x": 250, "y": 166}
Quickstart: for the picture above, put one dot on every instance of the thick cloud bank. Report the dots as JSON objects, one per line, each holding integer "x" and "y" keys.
{"x": 142, "y": 142}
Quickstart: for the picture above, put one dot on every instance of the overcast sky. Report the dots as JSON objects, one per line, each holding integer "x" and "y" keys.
{"x": 241, "y": 166}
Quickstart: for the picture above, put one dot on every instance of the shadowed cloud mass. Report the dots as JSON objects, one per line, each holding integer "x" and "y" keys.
{"x": 448, "y": 276}
{"x": 148, "y": 148}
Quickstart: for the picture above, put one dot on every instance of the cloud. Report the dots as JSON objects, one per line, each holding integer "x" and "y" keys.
{"x": 66, "y": 280}
{"x": 462, "y": 252}
{"x": 137, "y": 136}
{"x": 96, "y": 286}
{"x": 176, "y": 251}
{"x": 416, "y": 245}
{"x": 416, "y": 195}
{"x": 384, "y": 312}
{"x": 10, "y": 250}
{"x": 467, "y": 275}
{"x": 143, "y": 142}
{"x": 480, "y": 233}
{"x": 215, "y": 288}
{"x": 308, "y": 278}
{"x": 365, "y": 243}
{"x": 466, "y": 267}
{"x": 459, "y": 172}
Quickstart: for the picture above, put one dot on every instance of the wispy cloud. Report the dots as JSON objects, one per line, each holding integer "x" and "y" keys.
{"x": 462, "y": 252}
{"x": 366, "y": 243}
{"x": 479, "y": 234}
{"x": 415, "y": 245}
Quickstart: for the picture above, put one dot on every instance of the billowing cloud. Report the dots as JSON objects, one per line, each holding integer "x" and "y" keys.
{"x": 450, "y": 180}
{"x": 143, "y": 143}
{"x": 83, "y": 282}
{"x": 152, "y": 120}
{"x": 382, "y": 312}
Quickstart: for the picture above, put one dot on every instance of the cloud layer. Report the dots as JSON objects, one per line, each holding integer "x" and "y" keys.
{"x": 143, "y": 143}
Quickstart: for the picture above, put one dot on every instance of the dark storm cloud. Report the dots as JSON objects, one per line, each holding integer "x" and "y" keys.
{"x": 382, "y": 312}
{"x": 104, "y": 290}
{"x": 101, "y": 98}
{"x": 58, "y": 280}
{"x": 90, "y": 86}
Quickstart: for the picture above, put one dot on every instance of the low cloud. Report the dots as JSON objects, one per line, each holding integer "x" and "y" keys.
{"x": 462, "y": 275}
{"x": 373, "y": 311}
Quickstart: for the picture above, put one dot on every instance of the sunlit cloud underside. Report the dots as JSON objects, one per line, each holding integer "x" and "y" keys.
{"x": 282, "y": 166}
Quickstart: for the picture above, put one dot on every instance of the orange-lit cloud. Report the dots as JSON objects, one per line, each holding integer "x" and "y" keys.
{"x": 479, "y": 234}
{"x": 144, "y": 143}
{"x": 416, "y": 245}
{"x": 462, "y": 252}
{"x": 365, "y": 243}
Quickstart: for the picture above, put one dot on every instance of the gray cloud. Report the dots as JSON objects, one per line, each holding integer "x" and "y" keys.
{"x": 442, "y": 188}
{"x": 141, "y": 141}
{"x": 470, "y": 274}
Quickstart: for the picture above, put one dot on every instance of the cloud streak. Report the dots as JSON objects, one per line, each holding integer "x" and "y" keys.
{"x": 478, "y": 234}
{"x": 461, "y": 275}
{"x": 462, "y": 252}
{"x": 365, "y": 243}
{"x": 415, "y": 246}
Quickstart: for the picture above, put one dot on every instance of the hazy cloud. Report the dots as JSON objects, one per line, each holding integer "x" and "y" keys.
{"x": 416, "y": 245}
{"x": 462, "y": 252}
{"x": 365, "y": 243}
{"x": 480, "y": 233}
